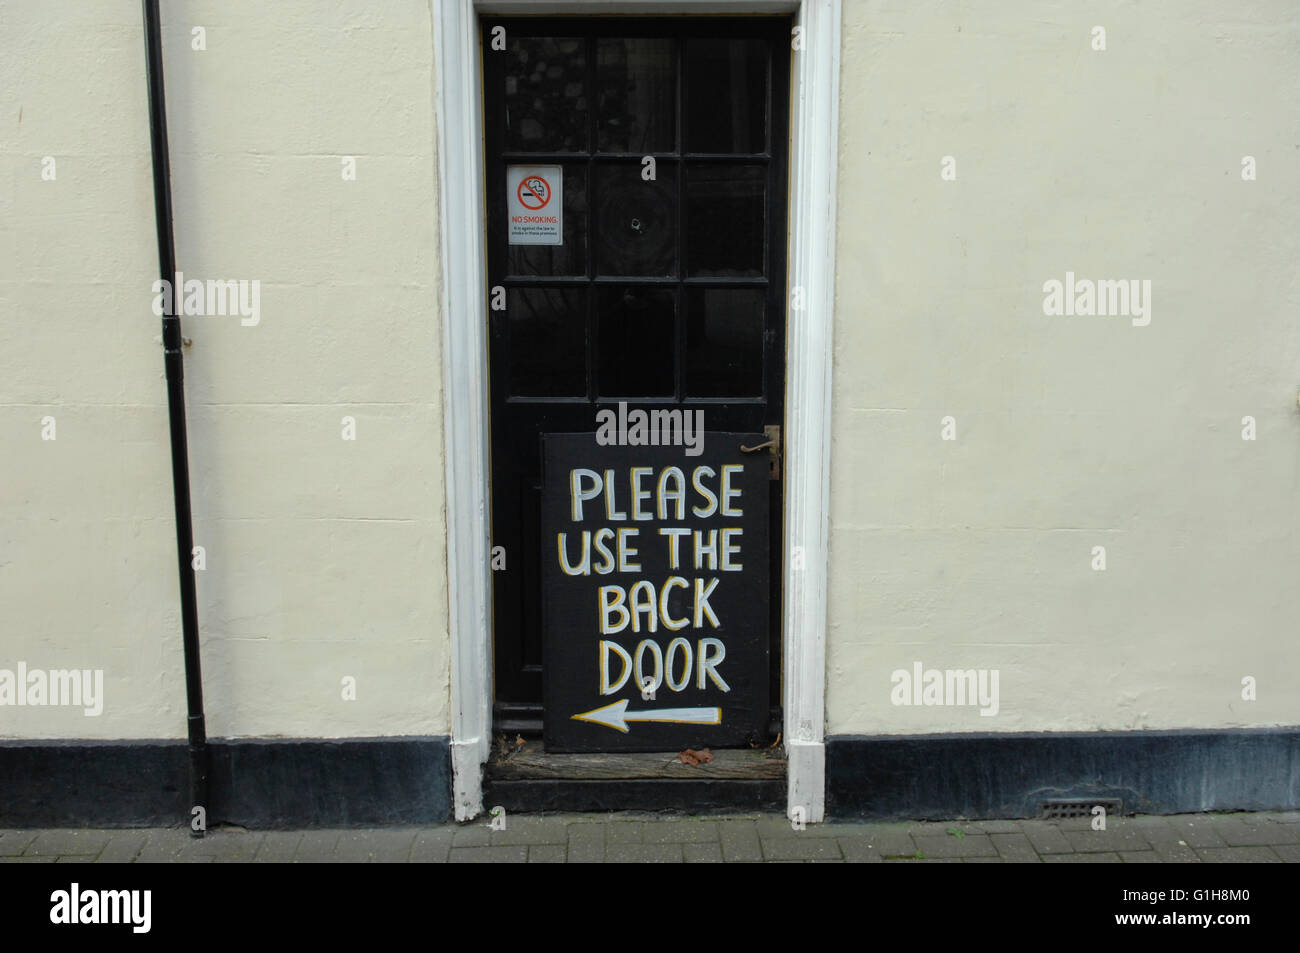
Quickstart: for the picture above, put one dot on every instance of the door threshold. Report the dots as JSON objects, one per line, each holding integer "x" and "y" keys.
{"x": 525, "y": 778}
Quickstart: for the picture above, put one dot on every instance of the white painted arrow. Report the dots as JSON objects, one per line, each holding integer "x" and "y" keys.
{"x": 617, "y": 716}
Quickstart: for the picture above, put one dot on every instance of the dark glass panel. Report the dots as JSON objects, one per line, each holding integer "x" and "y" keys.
{"x": 637, "y": 79}
{"x": 636, "y": 220}
{"x": 724, "y": 220}
{"x": 545, "y": 94}
{"x": 548, "y": 342}
{"x": 635, "y": 341}
{"x": 726, "y": 90}
{"x": 724, "y": 342}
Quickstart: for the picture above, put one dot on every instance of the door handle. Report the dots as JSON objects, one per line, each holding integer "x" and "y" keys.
{"x": 773, "y": 447}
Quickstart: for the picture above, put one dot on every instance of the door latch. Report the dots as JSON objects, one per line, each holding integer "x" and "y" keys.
{"x": 773, "y": 447}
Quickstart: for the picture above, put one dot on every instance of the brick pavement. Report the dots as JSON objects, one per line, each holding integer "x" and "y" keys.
{"x": 1265, "y": 837}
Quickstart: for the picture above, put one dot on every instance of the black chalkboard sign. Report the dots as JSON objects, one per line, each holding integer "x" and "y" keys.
{"x": 655, "y": 594}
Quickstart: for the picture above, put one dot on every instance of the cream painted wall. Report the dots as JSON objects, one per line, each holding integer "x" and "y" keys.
{"x": 325, "y": 557}
{"x": 1071, "y": 432}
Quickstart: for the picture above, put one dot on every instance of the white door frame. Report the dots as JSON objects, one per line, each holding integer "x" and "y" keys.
{"x": 814, "y": 96}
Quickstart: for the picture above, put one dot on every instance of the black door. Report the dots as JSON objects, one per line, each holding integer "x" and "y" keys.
{"x": 636, "y": 197}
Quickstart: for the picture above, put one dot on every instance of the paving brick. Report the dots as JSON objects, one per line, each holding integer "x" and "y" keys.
{"x": 892, "y": 843}
{"x": 796, "y": 847}
{"x": 1153, "y": 826}
{"x": 1290, "y": 853}
{"x": 1196, "y": 831}
{"x": 949, "y": 845}
{"x": 1238, "y": 855}
{"x": 193, "y": 850}
{"x": 1249, "y": 832}
{"x": 163, "y": 846}
{"x": 702, "y": 853}
{"x": 1176, "y": 853}
{"x": 640, "y": 838}
{"x": 520, "y": 830}
{"x": 57, "y": 843}
{"x": 547, "y": 854}
{"x": 643, "y": 854}
{"x": 1117, "y": 836}
{"x": 623, "y": 832}
{"x": 123, "y": 847}
{"x": 586, "y": 843}
{"x": 997, "y": 827}
{"x": 857, "y": 850}
{"x": 546, "y": 830}
{"x": 317, "y": 847}
{"x": 431, "y": 846}
{"x": 740, "y": 841}
{"x": 853, "y": 829}
{"x": 1082, "y": 859}
{"x": 375, "y": 846}
{"x": 1167, "y": 842}
{"x": 685, "y": 831}
{"x": 277, "y": 847}
{"x": 777, "y": 826}
{"x": 939, "y": 828}
{"x": 1015, "y": 848}
{"x": 488, "y": 855}
{"x": 14, "y": 842}
{"x": 932, "y": 860}
{"x": 229, "y": 847}
{"x": 475, "y": 834}
{"x": 1046, "y": 838}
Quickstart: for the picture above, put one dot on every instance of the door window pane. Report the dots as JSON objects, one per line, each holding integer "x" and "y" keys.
{"x": 636, "y": 330}
{"x": 724, "y": 342}
{"x": 548, "y": 342}
{"x": 724, "y": 220}
{"x": 569, "y": 259}
{"x": 637, "y": 80}
{"x": 726, "y": 96}
{"x": 636, "y": 220}
{"x": 545, "y": 94}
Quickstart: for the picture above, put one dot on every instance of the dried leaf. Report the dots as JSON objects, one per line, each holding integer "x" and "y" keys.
{"x": 692, "y": 757}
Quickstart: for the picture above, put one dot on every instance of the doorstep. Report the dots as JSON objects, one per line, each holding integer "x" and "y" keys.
{"x": 522, "y": 776}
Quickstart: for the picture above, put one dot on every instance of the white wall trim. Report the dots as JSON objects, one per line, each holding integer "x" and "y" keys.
{"x": 465, "y": 402}
{"x": 813, "y": 165}
{"x": 814, "y": 97}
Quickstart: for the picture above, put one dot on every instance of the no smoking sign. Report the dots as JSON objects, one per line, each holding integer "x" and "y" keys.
{"x": 534, "y": 192}
{"x": 535, "y": 204}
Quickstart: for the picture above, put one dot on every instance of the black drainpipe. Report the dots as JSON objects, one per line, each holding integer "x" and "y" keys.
{"x": 172, "y": 358}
